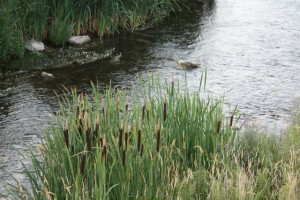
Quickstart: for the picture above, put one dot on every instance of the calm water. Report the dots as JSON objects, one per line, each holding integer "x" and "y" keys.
{"x": 250, "y": 49}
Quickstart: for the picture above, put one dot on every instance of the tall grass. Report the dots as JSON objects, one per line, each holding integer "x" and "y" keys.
{"x": 11, "y": 41}
{"x": 166, "y": 144}
{"x": 107, "y": 147}
{"x": 56, "y": 20}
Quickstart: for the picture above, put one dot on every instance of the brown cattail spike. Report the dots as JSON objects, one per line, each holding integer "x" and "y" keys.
{"x": 165, "y": 109}
{"x": 139, "y": 140}
{"x": 124, "y": 158}
{"x": 101, "y": 142}
{"x": 120, "y": 137}
{"x": 126, "y": 107}
{"x": 219, "y": 127}
{"x": 66, "y": 136}
{"x": 148, "y": 113}
{"x": 126, "y": 140}
{"x": 231, "y": 121}
{"x": 143, "y": 113}
{"x": 82, "y": 164}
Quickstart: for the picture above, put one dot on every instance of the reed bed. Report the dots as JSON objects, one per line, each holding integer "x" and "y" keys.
{"x": 54, "y": 21}
{"x": 57, "y": 20}
{"x": 168, "y": 144}
{"x": 107, "y": 147}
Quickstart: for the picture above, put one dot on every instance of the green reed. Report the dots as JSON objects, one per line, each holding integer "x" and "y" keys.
{"x": 106, "y": 146}
{"x": 56, "y": 20}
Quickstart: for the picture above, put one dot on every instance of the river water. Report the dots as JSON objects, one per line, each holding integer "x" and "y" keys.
{"x": 250, "y": 50}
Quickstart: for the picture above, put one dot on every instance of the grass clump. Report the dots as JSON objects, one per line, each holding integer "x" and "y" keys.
{"x": 263, "y": 166}
{"x": 60, "y": 31}
{"x": 11, "y": 41}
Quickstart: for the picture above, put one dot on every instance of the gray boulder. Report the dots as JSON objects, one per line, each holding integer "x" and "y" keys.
{"x": 45, "y": 74}
{"x": 79, "y": 40}
{"x": 34, "y": 45}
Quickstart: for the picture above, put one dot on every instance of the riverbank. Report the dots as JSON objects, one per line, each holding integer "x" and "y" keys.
{"x": 59, "y": 57}
{"x": 54, "y": 22}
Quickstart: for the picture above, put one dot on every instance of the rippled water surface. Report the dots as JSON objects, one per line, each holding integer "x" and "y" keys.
{"x": 250, "y": 49}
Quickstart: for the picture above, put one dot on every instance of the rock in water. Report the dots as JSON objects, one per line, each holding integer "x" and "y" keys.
{"x": 45, "y": 74}
{"x": 79, "y": 40}
{"x": 187, "y": 65}
{"x": 34, "y": 46}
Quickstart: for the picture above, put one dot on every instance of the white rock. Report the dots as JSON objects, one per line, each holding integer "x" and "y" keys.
{"x": 45, "y": 74}
{"x": 34, "y": 46}
{"x": 79, "y": 39}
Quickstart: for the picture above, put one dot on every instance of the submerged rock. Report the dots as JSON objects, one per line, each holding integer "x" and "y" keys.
{"x": 34, "y": 46}
{"x": 45, "y": 74}
{"x": 187, "y": 65}
{"x": 79, "y": 40}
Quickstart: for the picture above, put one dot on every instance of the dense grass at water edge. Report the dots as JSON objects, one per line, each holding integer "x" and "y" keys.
{"x": 106, "y": 146}
{"x": 166, "y": 144}
{"x": 57, "y": 20}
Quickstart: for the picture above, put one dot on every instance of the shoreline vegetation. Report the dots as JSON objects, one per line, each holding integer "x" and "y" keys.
{"x": 166, "y": 144}
{"x": 54, "y": 21}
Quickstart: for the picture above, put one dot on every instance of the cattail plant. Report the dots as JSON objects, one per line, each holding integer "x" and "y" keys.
{"x": 139, "y": 140}
{"x": 126, "y": 106}
{"x": 82, "y": 164}
{"x": 231, "y": 121}
{"x": 142, "y": 149}
{"x": 183, "y": 139}
{"x": 143, "y": 112}
{"x": 158, "y": 136}
{"x": 148, "y": 112}
{"x": 123, "y": 158}
{"x": 219, "y": 127}
{"x": 120, "y": 137}
{"x": 101, "y": 142}
{"x": 165, "y": 109}
{"x": 126, "y": 140}
{"x": 66, "y": 136}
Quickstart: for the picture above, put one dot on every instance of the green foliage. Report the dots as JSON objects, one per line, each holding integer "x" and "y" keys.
{"x": 105, "y": 147}
{"x": 56, "y": 20}
{"x": 60, "y": 31}
{"x": 11, "y": 44}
